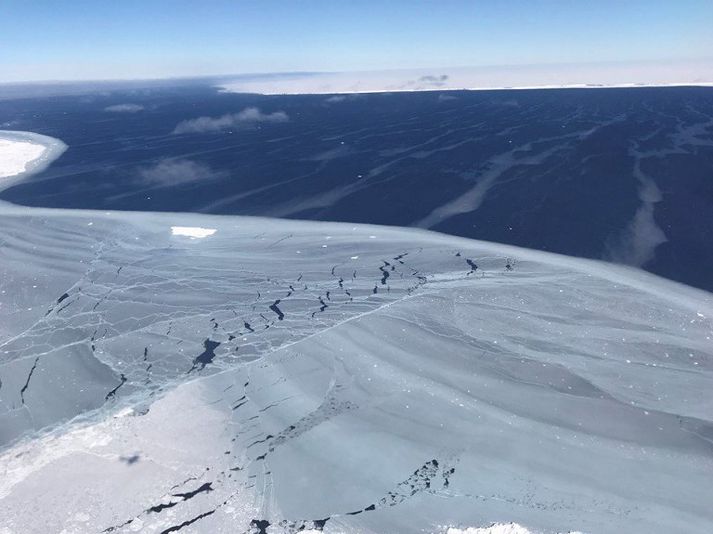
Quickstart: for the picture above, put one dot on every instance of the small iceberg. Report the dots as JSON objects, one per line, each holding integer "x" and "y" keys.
{"x": 25, "y": 153}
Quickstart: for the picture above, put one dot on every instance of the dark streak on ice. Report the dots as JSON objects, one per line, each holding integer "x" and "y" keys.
{"x": 188, "y": 522}
{"x": 419, "y": 481}
{"x": 385, "y": 273}
{"x": 266, "y": 438}
{"x": 241, "y": 401}
{"x": 279, "y": 313}
{"x": 205, "y": 488}
{"x": 61, "y": 299}
{"x": 27, "y": 382}
{"x": 473, "y": 266}
{"x": 112, "y": 393}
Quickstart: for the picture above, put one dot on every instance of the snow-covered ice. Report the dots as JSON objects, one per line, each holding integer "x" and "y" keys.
{"x": 15, "y": 155}
{"x": 497, "y": 528}
{"x": 552, "y": 76}
{"x": 23, "y": 153}
{"x": 397, "y": 380}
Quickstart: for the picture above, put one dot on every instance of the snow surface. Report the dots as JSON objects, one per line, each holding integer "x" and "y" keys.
{"x": 346, "y": 378}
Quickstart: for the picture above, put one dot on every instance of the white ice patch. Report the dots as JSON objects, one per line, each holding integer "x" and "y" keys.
{"x": 495, "y": 528}
{"x": 16, "y": 155}
{"x": 590, "y": 75}
{"x": 23, "y": 153}
{"x": 194, "y": 232}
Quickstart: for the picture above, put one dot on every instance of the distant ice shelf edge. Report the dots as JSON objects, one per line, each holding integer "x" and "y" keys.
{"x": 241, "y": 88}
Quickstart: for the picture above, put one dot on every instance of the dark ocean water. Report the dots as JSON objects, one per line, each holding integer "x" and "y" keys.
{"x": 618, "y": 174}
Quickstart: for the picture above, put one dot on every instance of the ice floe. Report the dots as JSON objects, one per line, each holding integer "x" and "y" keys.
{"x": 23, "y": 153}
{"x": 396, "y": 384}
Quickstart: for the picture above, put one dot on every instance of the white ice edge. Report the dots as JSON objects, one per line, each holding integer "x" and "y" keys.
{"x": 478, "y": 78}
{"x": 26, "y": 153}
{"x": 496, "y": 528}
{"x": 230, "y": 88}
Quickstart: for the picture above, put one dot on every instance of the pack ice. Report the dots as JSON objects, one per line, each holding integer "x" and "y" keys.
{"x": 251, "y": 375}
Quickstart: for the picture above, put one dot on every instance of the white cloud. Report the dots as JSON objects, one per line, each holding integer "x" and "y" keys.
{"x": 124, "y": 108}
{"x": 171, "y": 172}
{"x": 248, "y": 116}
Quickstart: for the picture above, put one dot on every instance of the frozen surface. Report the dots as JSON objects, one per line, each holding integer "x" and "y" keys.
{"x": 25, "y": 152}
{"x": 618, "y": 74}
{"x": 497, "y": 528}
{"x": 278, "y": 376}
{"x": 14, "y": 156}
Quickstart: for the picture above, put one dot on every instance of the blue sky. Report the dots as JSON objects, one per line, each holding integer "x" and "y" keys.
{"x": 120, "y": 39}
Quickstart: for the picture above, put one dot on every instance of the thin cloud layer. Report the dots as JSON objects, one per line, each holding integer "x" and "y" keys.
{"x": 124, "y": 108}
{"x": 247, "y": 117}
{"x": 172, "y": 172}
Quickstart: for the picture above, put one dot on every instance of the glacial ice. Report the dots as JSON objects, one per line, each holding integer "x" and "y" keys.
{"x": 394, "y": 380}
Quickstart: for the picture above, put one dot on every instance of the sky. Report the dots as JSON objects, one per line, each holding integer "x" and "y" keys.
{"x": 139, "y": 39}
